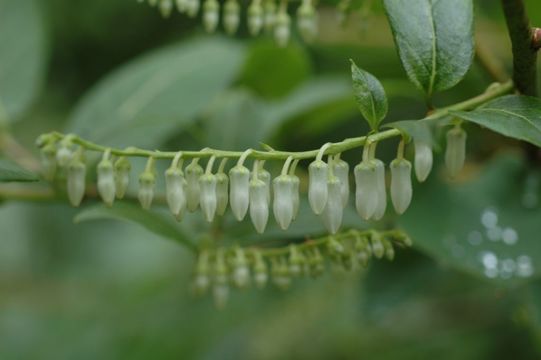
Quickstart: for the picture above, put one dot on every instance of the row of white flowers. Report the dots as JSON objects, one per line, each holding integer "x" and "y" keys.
{"x": 262, "y": 15}
{"x": 244, "y": 191}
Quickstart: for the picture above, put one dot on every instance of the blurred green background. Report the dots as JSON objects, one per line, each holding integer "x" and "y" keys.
{"x": 117, "y": 73}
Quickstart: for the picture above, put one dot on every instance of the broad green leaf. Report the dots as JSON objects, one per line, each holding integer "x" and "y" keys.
{"x": 370, "y": 96}
{"x": 252, "y": 120}
{"x": 11, "y": 172}
{"x": 22, "y": 55}
{"x": 434, "y": 40}
{"x": 515, "y": 116}
{"x": 152, "y": 221}
{"x": 488, "y": 227}
{"x": 417, "y": 129}
{"x": 155, "y": 96}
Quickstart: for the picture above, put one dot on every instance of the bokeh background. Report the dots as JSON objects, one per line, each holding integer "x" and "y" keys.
{"x": 116, "y": 72}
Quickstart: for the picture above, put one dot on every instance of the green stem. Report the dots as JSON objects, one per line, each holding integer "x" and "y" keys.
{"x": 524, "y": 53}
{"x": 331, "y": 149}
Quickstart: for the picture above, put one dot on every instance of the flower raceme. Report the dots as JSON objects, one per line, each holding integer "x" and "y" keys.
{"x": 192, "y": 188}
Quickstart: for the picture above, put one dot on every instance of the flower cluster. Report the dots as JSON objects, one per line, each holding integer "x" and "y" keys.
{"x": 217, "y": 269}
{"x": 254, "y": 192}
{"x": 261, "y": 15}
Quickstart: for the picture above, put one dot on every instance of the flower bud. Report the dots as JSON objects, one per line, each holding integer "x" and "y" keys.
{"x": 182, "y": 5}
{"x": 260, "y": 271}
{"x": 64, "y": 155}
{"x": 175, "y": 191}
{"x": 166, "y": 6}
{"x": 389, "y": 250}
{"x": 423, "y": 160}
{"x": 282, "y": 31}
{"x": 318, "y": 172}
{"x": 269, "y": 17}
{"x": 222, "y": 193}
{"x": 241, "y": 272}
{"x": 332, "y": 215}
{"x": 147, "y": 180}
{"x": 381, "y": 191}
{"x": 296, "y": 261}
{"x": 122, "y": 176}
{"x": 192, "y": 8}
{"x": 334, "y": 247}
{"x": 201, "y": 280}
{"x": 231, "y": 16}
{"x": 106, "y": 181}
{"x": 76, "y": 181}
{"x": 265, "y": 176}
{"x": 255, "y": 17}
{"x": 401, "y": 189}
{"x": 239, "y": 192}
{"x": 208, "y": 200}
{"x": 366, "y": 195}
{"x": 48, "y": 161}
{"x": 455, "y": 154}
{"x": 280, "y": 274}
{"x": 211, "y": 9}
{"x": 193, "y": 173}
{"x": 296, "y": 195}
{"x": 283, "y": 205}
{"x": 220, "y": 289}
{"x": 307, "y": 21}
{"x": 341, "y": 171}
{"x": 377, "y": 245}
{"x": 259, "y": 206}
{"x": 317, "y": 263}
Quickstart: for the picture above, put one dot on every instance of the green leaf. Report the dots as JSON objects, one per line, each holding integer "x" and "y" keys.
{"x": 22, "y": 55}
{"x": 515, "y": 116}
{"x": 488, "y": 227}
{"x": 152, "y": 221}
{"x": 148, "y": 100}
{"x": 416, "y": 129}
{"x": 434, "y": 40}
{"x": 370, "y": 96}
{"x": 11, "y": 172}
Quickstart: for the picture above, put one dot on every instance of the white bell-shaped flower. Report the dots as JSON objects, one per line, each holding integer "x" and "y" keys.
{"x": 106, "y": 181}
{"x": 231, "y": 16}
{"x": 64, "y": 155}
{"x": 122, "y": 177}
{"x": 307, "y": 21}
{"x": 211, "y": 15}
{"x": 239, "y": 191}
{"x": 296, "y": 195}
{"x": 261, "y": 275}
{"x": 76, "y": 181}
{"x": 341, "y": 171}
{"x": 192, "y": 7}
{"x": 381, "y": 191}
{"x": 222, "y": 193}
{"x": 175, "y": 191}
{"x": 259, "y": 206}
{"x": 265, "y": 176}
{"x": 241, "y": 272}
{"x": 193, "y": 173}
{"x": 318, "y": 172}
{"x": 332, "y": 215}
{"x": 366, "y": 196}
{"x": 423, "y": 160}
{"x": 283, "y": 205}
{"x": 182, "y": 5}
{"x": 255, "y": 17}
{"x": 282, "y": 31}
{"x": 401, "y": 188}
{"x": 269, "y": 16}
{"x": 455, "y": 153}
{"x": 208, "y": 200}
{"x": 166, "y": 7}
{"x": 147, "y": 181}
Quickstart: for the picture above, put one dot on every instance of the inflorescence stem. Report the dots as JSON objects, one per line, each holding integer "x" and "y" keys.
{"x": 331, "y": 149}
